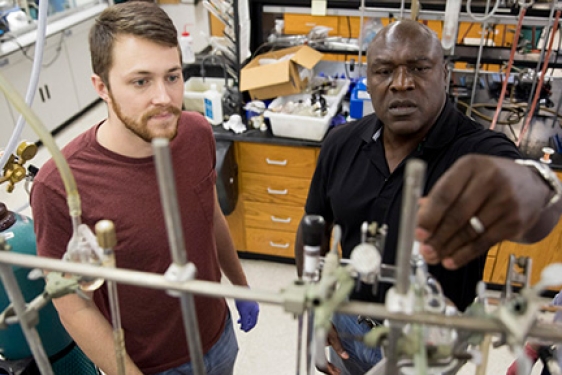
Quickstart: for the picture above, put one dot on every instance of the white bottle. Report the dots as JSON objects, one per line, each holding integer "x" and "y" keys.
{"x": 213, "y": 105}
{"x": 186, "y": 41}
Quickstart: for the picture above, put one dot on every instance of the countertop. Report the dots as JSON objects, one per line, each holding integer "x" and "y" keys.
{"x": 257, "y": 136}
{"x": 56, "y": 25}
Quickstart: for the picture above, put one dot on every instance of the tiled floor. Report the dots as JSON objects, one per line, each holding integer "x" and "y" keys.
{"x": 271, "y": 347}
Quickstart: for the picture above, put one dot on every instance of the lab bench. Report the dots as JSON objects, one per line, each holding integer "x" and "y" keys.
{"x": 273, "y": 177}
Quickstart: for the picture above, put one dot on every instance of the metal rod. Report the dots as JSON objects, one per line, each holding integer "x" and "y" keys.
{"x": 107, "y": 240}
{"x": 361, "y": 36}
{"x": 310, "y": 341}
{"x": 299, "y": 342}
{"x": 411, "y": 192}
{"x": 413, "y": 184}
{"x": 497, "y": 113}
{"x": 138, "y": 278}
{"x": 466, "y": 323}
{"x": 477, "y": 67}
{"x": 558, "y": 106}
{"x": 538, "y": 78}
{"x": 168, "y": 196}
{"x": 541, "y": 59}
{"x": 213, "y": 289}
{"x": 16, "y": 297}
{"x": 502, "y": 16}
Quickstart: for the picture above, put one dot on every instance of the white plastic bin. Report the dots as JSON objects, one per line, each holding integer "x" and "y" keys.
{"x": 304, "y": 127}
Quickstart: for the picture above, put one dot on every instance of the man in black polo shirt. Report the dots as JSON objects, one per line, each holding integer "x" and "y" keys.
{"x": 359, "y": 177}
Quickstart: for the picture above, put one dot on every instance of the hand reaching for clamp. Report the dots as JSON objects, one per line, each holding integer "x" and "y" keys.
{"x": 478, "y": 202}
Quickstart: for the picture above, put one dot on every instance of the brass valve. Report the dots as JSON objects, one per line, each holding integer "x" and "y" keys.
{"x": 14, "y": 171}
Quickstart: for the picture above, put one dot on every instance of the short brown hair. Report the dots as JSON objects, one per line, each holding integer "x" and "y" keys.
{"x": 138, "y": 18}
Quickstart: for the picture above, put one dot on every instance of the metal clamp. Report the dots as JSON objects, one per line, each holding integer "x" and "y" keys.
{"x": 179, "y": 274}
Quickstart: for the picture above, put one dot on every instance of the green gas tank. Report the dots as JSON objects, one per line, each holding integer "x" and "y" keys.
{"x": 18, "y": 231}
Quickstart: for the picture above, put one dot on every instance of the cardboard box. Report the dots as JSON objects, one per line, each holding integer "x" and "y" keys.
{"x": 280, "y": 78}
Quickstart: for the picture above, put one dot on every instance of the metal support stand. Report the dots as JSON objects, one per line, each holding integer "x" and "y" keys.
{"x": 168, "y": 196}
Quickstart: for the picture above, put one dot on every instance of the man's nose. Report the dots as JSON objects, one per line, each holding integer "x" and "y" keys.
{"x": 161, "y": 93}
{"x": 402, "y": 79}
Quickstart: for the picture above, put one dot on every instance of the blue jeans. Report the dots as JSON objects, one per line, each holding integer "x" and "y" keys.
{"x": 361, "y": 358}
{"x": 219, "y": 360}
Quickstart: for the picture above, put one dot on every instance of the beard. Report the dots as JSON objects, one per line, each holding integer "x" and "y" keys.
{"x": 139, "y": 127}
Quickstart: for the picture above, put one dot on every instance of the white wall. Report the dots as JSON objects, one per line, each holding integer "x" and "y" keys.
{"x": 196, "y": 17}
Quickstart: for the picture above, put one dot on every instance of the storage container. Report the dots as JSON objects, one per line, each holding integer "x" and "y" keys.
{"x": 194, "y": 88}
{"x": 304, "y": 127}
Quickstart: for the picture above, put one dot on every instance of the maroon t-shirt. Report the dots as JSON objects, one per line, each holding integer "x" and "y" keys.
{"x": 125, "y": 190}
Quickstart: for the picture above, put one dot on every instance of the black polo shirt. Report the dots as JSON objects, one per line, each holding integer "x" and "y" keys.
{"x": 352, "y": 184}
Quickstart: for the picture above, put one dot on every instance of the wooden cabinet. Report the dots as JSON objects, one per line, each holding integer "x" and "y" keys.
{"x": 274, "y": 182}
{"x": 542, "y": 253}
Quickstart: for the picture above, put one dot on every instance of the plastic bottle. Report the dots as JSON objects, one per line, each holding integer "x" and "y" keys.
{"x": 451, "y": 24}
{"x": 213, "y": 105}
{"x": 186, "y": 41}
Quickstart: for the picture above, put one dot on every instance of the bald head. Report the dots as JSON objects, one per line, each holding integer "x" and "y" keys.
{"x": 399, "y": 32}
{"x": 406, "y": 77}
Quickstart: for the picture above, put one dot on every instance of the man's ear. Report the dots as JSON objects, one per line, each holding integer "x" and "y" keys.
{"x": 100, "y": 87}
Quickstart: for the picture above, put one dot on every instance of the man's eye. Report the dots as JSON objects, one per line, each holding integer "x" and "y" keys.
{"x": 383, "y": 72}
{"x": 174, "y": 78}
{"x": 421, "y": 69}
{"x": 140, "y": 82}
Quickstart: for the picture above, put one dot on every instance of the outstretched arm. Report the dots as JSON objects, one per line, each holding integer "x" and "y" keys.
{"x": 480, "y": 201}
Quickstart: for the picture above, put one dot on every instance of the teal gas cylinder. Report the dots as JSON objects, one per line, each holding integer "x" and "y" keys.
{"x": 18, "y": 231}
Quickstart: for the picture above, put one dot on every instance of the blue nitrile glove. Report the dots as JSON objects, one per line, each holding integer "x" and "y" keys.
{"x": 248, "y": 311}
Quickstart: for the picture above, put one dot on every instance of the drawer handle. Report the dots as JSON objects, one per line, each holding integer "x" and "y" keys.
{"x": 279, "y": 245}
{"x": 279, "y": 220}
{"x": 277, "y": 192}
{"x": 276, "y": 162}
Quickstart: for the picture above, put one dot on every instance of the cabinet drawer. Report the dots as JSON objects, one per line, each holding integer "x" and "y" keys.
{"x": 277, "y": 160}
{"x": 289, "y": 191}
{"x": 272, "y": 216}
{"x": 303, "y": 23}
{"x": 269, "y": 242}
